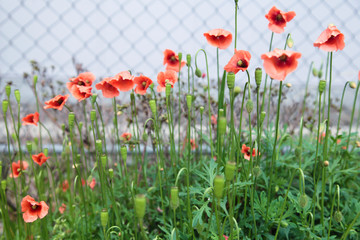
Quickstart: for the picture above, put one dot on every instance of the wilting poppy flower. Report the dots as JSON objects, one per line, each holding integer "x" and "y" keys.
{"x": 278, "y": 19}
{"x": 62, "y": 208}
{"x": 32, "y": 209}
{"x": 65, "y": 185}
{"x": 239, "y": 61}
{"x": 92, "y": 184}
{"x": 17, "y": 169}
{"x": 279, "y": 63}
{"x": 219, "y": 38}
{"x": 142, "y": 84}
{"x": 108, "y": 90}
{"x": 57, "y": 102}
{"x": 214, "y": 119}
{"x": 169, "y": 76}
{"x": 193, "y": 144}
{"x": 80, "y": 87}
{"x": 40, "y": 158}
{"x": 330, "y": 40}
{"x": 171, "y": 60}
{"x": 246, "y": 151}
{"x": 124, "y": 81}
{"x": 126, "y": 136}
{"x": 31, "y": 119}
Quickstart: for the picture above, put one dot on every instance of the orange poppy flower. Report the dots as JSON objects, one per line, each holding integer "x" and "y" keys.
{"x": 17, "y": 169}
{"x": 126, "y": 136}
{"x": 57, "y": 102}
{"x": 80, "y": 87}
{"x": 278, "y": 19}
{"x": 240, "y": 61}
{"x": 31, "y": 119}
{"x": 33, "y": 210}
{"x": 171, "y": 60}
{"x": 330, "y": 40}
{"x": 246, "y": 151}
{"x": 92, "y": 184}
{"x": 108, "y": 90}
{"x": 65, "y": 185}
{"x": 62, "y": 208}
{"x": 169, "y": 76}
{"x": 193, "y": 144}
{"x": 214, "y": 119}
{"x": 219, "y": 38}
{"x": 142, "y": 84}
{"x": 279, "y": 63}
{"x": 124, "y": 81}
{"x": 40, "y": 158}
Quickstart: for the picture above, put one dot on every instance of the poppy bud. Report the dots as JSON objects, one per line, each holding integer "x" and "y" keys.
{"x": 174, "y": 197}
{"x": 198, "y": 73}
{"x": 320, "y": 73}
{"x": 92, "y": 115}
{"x": 93, "y": 98}
{"x": 322, "y": 85}
{"x": 46, "y": 151}
{"x": 256, "y": 171}
{"x": 326, "y": 163}
{"x": 188, "y": 60}
{"x": 230, "y": 80}
{"x": 111, "y": 173}
{"x": 237, "y": 91}
{"x": 337, "y": 216}
{"x": 132, "y": 96}
{"x": 5, "y": 105}
{"x": 35, "y": 79}
{"x": 222, "y": 126}
{"x": 249, "y": 106}
{"x": 315, "y": 72}
{"x": 81, "y": 124}
{"x": 229, "y": 171}
{"x": 201, "y": 110}
{"x": 140, "y": 205}
{"x": 303, "y": 200}
{"x": 258, "y": 76}
{"x": 219, "y": 183}
{"x": 98, "y": 146}
{"x": 3, "y": 185}
{"x": 288, "y": 85}
{"x": 145, "y": 137}
{"x": 103, "y": 160}
{"x": 290, "y": 42}
{"x": 188, "y": 100}
{"x": 152, "y": 105}
{"x": 352, "y": 85}
{"x": 8, "y": 90}
{"x": 221, "y": 112}
{"x": 262, "y": 117}
{"x": 71, "y": 118}
{"x": 167, "y": 90}
{"x": 284, "y": 224}
{"x": 123, "y": 152}
{"x": 17, "y": 95}
{"x": 104, "y": 217}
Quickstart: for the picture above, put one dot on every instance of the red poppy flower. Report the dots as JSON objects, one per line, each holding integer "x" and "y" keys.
{"x": 278, "y": 19}
{"x": 279, "y": 63}
{"x": 92, "y": 184}
{"x": 32, "y": 209}
{"x": 17, "y": 169}
{"x": 330, "y": 40}
{"x": 80, "y": 87}
{"x": 31, "y": 119}
{"x": 240, "y": 61}
{"x": 108, "y": 90}
{"x": 126, "y": 136}
{"x": 226, "y": 237}
{"x": 124, "y": 81}
{"x": 171, "y": 60}
{"x": 65, "y": 185}
{"x": 169, "y": 76}
{"x": 219, "y": 38}
{"x": 193, "y": 144}
{"x": 142, "y": 84}
{"x": 62, "y": 208}
{"x": 83, "y": 182}
{"x": 57, "y": 102}
{"x": 246, "y": 151}
{"x": 40, "y": 158}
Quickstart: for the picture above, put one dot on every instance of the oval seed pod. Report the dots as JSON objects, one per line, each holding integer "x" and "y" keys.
{"x": 111, "y": 173}
{"x": 140, "y": 205}
{"x": 92, "y": 115}
{"x": 35, "y": 80}
{"x": 338, "y": 216}
{"x": 29, "y": 146}
{"x": 201, "y": 110}
{"x": 104, "y": 217}
{"x": 315, "y": 72}
{"x": 258, "y": 76}
{"x": 71, "y": 119}
{"x": 3, "y": 185}
{"x": 17, "y": 95}
{"x": 249, "y": 106}
{"x": 5, "y": 106}
{"x": 322, "y": 85}
{"x": 230, "y": 80}
{"x": 230, "y": 171}
{"x": 152, "y": 105}
{"x": 219, "y": 183}
{"x": 198, "y": 73}
{"x": 189, "y": 100}
{"x": 98, "y": 146}
{"x": 222, "y": 126}
{"x": 175, "y": 202}
{"x": 167, "y": 90}
{"x": 8, "y": 90}
{"x": 123, "y": 152}
{"x": 103, "y": 160}
{"x": 188, "y": 60}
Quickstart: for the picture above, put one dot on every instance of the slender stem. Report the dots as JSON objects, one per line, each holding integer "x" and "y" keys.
{"x": 352, "y": 115}
{"x": 306, "y": 88}
{"x": 266, "y": 76}
{"x": 340, "y": 110}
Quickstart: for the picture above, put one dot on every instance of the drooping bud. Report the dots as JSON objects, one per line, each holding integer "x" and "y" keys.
{"x": 303, "y": 200}
{"x": 111, "y": 173}
{"x": 219, "y": 183}
{"x": 35, "y": 80}
{"x": 237, "y": 91}
{"x": 152, "y": 105}
{"x": 145, "y": 137}
{"x": 230, "y": 170}
{"x": 338, "y": 216}
{"x": 262, "y": 117}
{"x": 322, "y": 85}
{"x": 140, "y": 205}
{"x": 104, "y": 217}
{"x": 222, "y": 126}
{"x": 71, "y": 118}
{"x": 17, "y": 95}
{"x": 167, "y": 90}
{"x": 315, "y": 72}
{"x": 174, "y": 197}
{"x": 188, "y": 60}
{"x": 103, "y": 160}
{"x": 231, "y": 80}
{"x": 320, "y": 73}
{"x": 290, "y": 42}
{"x": 352, "y": 85}
{"x": 98, "y": 146}
{"x": 198, "y": 73}
{"x": 201, "y": 110}
{"x": 123, "y": 152}
{"x": 93, "y": 115}
{"x": 5, "y": 105}
{"x": 188, "y": 100}
{"x": 93, "y": 98}
{"x": 249, "y": 106}
{"x": 258, "y": 76}
{"x": 8, "y": 90}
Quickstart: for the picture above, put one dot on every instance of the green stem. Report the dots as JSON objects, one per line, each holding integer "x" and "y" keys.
{"x": 340, "y": 110}
{"x": 352, "y": 115}
{"x": 306, "y": 88}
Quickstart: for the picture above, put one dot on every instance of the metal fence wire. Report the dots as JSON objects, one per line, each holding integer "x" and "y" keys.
{"x": 110, "y": 36}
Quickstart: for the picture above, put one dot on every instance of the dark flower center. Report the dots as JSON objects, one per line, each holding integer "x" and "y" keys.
{"x": 60, "y": 101}
{"x": 173, "y": 59}
{"x": 34, "y": 207}
{"x": 242, "y": 63}
{"x": 283, "y": 58}
{"x": 279, "y": 17}
{"x": 80, "y": 83}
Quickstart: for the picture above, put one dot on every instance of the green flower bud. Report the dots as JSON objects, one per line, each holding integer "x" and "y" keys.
{"x": 221, "y": 112}
{"x": 303, "y": 200}
{"x": 5, "y": 105}
{"x": 284, "y": 224}
{"x": 256, "y": 171}
{"x": 222, "y": 126}
{"x": 111, "y": 173}
{"x": 145, "y": 137}
{"x": 237, "y": 91}
{"x": 188, "y": 60}
{"x": 3, "y": 185}
{"x": 104, "y": 217}
{"x": 198, "y": 73}
{"x": 258, "y": 76}
{"x": 338, "y": 216}
{"x": 219, "y": 183}
{"x": 123, "y": 152}
{"x": 167, "y": 90}
{"x": 230, "y": 80}
{"x": 35, "y": 79}
{"x": 262, "y": 117}
{"x": 103, "y": 160}
{"x": 93, "y": 98}
{"x": 290, "y": 42}
{"x": 71, "y": 118}
{"x": 98, "y": 146}
{"x": 249, "y": 106}
{"x": 152, "y": 104}
{"x": 174, "y": 197}
{"x": 315, "y": 72}
{"x": 230, "y": 171}
{"x": 140, "y": 205}
{"x": 92, "y": 115}
{"x": 17, "y": 95}
{"x": 352, "y": 85}
{"x": 188, "y": 100}
{"x": 8, "y": 90}
{"x": 201, "y": 110}
{"x": 46, "y": 151}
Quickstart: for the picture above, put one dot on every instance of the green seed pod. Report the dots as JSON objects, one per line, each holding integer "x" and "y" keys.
{"x": 17, "y": 95}
{"x": 98, "y": 146}
{"x": 104, "y": 217}
{"x": 103, "y": 160}
{"x": 198, "y": 73}
{"x": 140, "y": 205}
{"x": 152, "y": 105}
{"x": 35, "y": 80}
{"x": 303, "y": 200}
{"x": 167, "y": 90}
{"x": 258, "y": 76}
{"x": 123, "y": 152}
{"x": 262, "y": 117}
{"x": 231, "y": 80}
{"x": 46, "y": 151}
{"x": 230, "y": 171}
{"x": 188, "y": 60}
{"x": 237, "y": 91}
{"x": 3, "y": 185}
{"x": 338, "y": 216}
{"x": 71, "y": 119}
{"x": 219, "y": 183}
{"x": 111, "y": 173}
{"x": 256, "y": 171}
{"x": 322, "y": 85}
{"x": 5, "y": 105}
{"x": 188, "y": 100}
{"x": 249, "y": 106}
{"x": 81, "y": 124}
{"x": 352, "y": 85}
{"x": 290, "y": 42}
{"x": 175, "y": 202}
{"x": 222, "y": 126}
{"x": 320, "y": 73}
{"x": 315, "y": 72}
{"x": 201, "y": 110}
{"x": 8, "y": 90}
{"x": 92, "y": 115}
{"x": 93, "y": 98}
{"x": 221, "y": 112}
